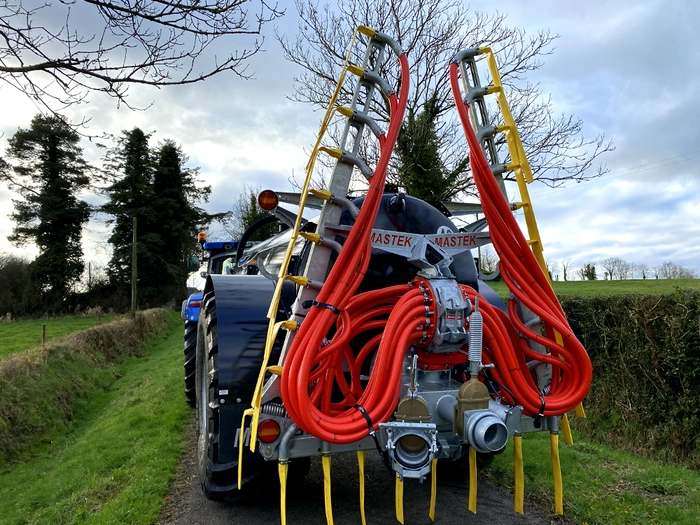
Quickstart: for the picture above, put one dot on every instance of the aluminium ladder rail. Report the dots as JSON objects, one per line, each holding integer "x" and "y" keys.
{"x": 358, "y": 119}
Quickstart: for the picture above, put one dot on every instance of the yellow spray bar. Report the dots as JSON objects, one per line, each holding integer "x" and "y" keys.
{"x": 274, "y": 303}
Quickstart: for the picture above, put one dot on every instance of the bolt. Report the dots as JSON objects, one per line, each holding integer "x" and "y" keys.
{"x": 238, "y": 400}
{"x": 222, "y": 401}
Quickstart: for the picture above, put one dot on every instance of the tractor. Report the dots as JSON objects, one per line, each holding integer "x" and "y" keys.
{"x": 219, "y": 257}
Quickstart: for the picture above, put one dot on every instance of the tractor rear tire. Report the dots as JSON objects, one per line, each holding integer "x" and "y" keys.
{"x": 190, "y": 362}
{"x": 219, "y": 480}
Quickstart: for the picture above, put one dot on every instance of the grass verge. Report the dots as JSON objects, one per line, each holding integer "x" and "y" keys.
{"x": 17, "y": 336}
{"x": 603, "y": 485}
{"x": 41, "y": 388}
{"x": 117, "y": 461}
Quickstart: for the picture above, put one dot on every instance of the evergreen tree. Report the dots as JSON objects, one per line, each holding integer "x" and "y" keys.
{"x": 156, "y": 189}
{"x": 48, "y": 172}
{"x": 177, "y": 218}
{"x": 422, "y": 172}
{"x": 131, "y": 196}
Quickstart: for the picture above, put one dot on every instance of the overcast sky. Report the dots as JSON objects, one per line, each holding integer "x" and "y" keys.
{"x": 629, "y": 69}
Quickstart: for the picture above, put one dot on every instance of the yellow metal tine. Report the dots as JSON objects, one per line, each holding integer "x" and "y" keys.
{"x": 241, "y": 439}
{"x": 283, "y": 468}
{"x": 433, "y": 489}
{"x": 361, "y": 466}
{"x": 556, "y": 471}
{"x": 519, "y": 493}
{"x": 566, "y": 429}
{"x": 326, "y": 463}
{"x": 472, "y": 480}
{"x": 399, "y": 499}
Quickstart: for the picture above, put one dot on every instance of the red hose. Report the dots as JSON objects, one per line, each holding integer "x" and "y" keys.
{"x": 313, "y": 366}
{"x": 525, "y": 279}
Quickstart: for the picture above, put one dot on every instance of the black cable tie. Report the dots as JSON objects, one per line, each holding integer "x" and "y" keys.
{"x": 538, "y": 419}
{"x": 325, "y": 305}
{"x": 367, "y": 418}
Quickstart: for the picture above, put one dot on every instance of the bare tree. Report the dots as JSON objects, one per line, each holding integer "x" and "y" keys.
{"x": 552, "y": 266}
{"x": 625, "y": 270}
{"x": 581, "y": 273}
{"x": 488, "y": 260}
{"x": 669, "y": 270}
{"x": 642, "y": 270}
{"x": 431, "y": 32}
{"x": 566, "y": 266}
{"x": 58, "y": 52}
{"x": 246, "y": 211}
{"x": 612, "y": 266}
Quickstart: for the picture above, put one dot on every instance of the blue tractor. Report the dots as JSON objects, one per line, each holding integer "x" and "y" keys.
{"x": 220, "y": 257}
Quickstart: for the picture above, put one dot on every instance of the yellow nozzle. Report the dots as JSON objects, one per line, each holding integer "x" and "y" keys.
{"x": 277, "y": 370}
{"x": 297, "y": 279}
{"x": 361, "y": 466}
{"x": 367, "y": 31}
{"x": 322, "y": 194}
{"x": 283, "y": 469}
{"x": 333, "y": 152}
{"x": 566, "y": 430}
{"x": 241, "y": 439}
{"x": 345, "y": 111}
{"x": 556, "y": 471}
{"x": 313, "y": 237}
{"x": 356, "y": 70}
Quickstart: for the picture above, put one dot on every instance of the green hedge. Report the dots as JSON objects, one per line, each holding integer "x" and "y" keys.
{"x": 645, "y": 351}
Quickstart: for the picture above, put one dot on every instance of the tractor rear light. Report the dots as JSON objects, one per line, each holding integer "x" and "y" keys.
{"x": 268, "y": 200}
{"x": 196, "y": 303}
{"x": 268, "y": 430}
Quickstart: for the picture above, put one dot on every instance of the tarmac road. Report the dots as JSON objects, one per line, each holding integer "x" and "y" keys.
{"x": 187, "y": 505}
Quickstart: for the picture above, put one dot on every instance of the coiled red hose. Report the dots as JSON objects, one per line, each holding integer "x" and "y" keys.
{"x": 525, "y": 279}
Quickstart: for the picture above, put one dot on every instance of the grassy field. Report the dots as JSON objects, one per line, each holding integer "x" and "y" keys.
{"x": 630, "y": 286}
{"x": 116, "y": 463}
{"x": 17, "y": 336}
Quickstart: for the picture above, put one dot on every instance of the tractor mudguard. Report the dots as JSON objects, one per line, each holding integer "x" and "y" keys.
{"x": 242, "y": 302}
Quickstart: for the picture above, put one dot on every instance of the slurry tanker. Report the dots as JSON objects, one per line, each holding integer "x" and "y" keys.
{"x": 368, "y": 328}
